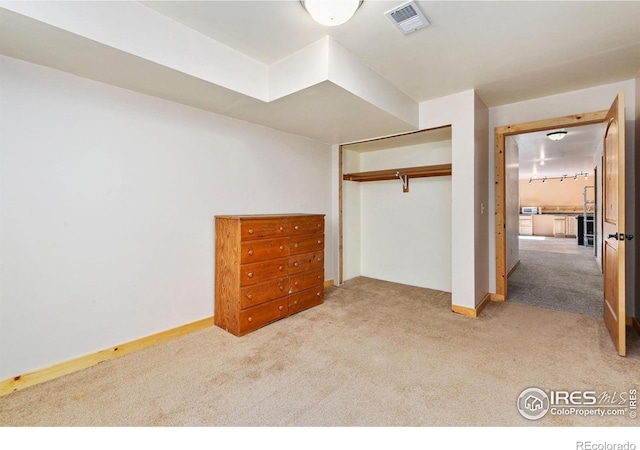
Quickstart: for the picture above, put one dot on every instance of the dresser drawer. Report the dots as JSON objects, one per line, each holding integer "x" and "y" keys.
{"x": 263, "y": 228}
{"x": 306, "y": 244}
{"x": 253, "y": 318}
{"x": 306, "y": 299}
{"x": 306, "y": 225}
{"x": 306, "y": 280}
{"x": 259, "y": 293}
{"x": 263, "y": 271}
{"x": 259, "y": 250}
{"x": 305, "y": 262}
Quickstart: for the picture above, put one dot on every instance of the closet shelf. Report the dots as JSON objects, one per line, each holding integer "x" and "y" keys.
{"x": 404, "y": 174}
{"x": 392, "y": 174}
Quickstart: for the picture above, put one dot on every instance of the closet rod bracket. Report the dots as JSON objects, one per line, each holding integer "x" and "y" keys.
{"x": 405, "y": 181}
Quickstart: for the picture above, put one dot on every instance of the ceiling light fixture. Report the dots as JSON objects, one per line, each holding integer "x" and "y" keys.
{"x": 556, "y": 135}
{"x": 331, "y": 13}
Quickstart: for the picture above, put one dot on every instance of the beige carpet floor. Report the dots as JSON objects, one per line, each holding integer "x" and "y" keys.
{"x": 558, "y": 274}
{"x": 374, "y": 354}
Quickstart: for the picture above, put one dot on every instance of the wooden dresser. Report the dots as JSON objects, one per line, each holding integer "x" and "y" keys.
{"x": 267, "y": 268}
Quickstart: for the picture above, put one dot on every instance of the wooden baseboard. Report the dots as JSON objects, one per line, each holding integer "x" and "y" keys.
{"x": 39, "y": 376}
{"x": 472, "y": 312}
{"x": 497, "y": 298}
{"x": 49, "y": 373}
{"x": 515, "y": 266}
{"x": 635, "y": 323}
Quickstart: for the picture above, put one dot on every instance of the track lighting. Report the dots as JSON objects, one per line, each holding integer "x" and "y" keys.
{"x": 561, "y": 178}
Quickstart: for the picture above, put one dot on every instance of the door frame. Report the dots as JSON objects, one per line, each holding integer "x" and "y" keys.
{"x": 501, "y": 133}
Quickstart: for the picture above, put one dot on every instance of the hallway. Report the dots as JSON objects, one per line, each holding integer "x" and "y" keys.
{"x": 558, "y": 274}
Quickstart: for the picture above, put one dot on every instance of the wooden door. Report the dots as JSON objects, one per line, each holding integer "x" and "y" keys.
{"x": 614, "y": 232}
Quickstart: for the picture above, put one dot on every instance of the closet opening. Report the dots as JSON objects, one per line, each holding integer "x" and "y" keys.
{"x": 395, "y": 209}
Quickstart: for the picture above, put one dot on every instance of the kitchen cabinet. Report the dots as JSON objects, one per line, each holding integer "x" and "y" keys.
{"x": 559, "y": 226}
{"x": 571, "y": 226}
{"x": 526, "y": 225}
{"x": 551, "y": 225}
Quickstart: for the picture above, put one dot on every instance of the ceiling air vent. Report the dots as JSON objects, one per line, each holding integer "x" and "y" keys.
{"x": 408, "y": 17}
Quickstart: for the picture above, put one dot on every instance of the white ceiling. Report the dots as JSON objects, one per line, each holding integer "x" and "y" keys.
{"x": 541, "y": 157}
{"x": 507, "y": 51}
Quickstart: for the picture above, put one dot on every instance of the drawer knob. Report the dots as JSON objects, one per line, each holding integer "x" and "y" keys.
{"x": 250, "y": 231}
{"x": 296, "y": 227}
{"x": 250, "y": 252}
{"x": 295, "y": 284}
{"x": 318, "y": 277}
{"x": 282, "y": 288}
{"x": 250, "y": 274}
{"x": 318, "y": 259}
{"x": 319, "y": 225}
{"x": 280, "y": 307}
{"x": 281, "y": 228}
{"x": 280, "y": 267}
{"x": 249, "y": 296}
{"x": 295, "y": 302}
{"x": 281, "y": 247}
{"x": 318, "y": 294}
{"x": 250, "y": 319}
{"x": 295, "y": 264}
{"x": 319, "y": 242}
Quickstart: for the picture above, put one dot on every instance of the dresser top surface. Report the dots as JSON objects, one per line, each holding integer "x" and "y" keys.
{"x": 268, "y": 216}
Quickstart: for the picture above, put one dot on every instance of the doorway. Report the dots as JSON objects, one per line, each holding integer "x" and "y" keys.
{"x": 552, "y": 230}
{"x": 501, "y": 199}
{"x": 614, "y": 209}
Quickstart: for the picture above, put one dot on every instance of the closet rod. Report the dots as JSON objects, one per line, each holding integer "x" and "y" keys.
{"x": 437, "y": 170}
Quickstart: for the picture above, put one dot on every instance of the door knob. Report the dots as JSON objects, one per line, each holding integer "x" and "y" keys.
{"x": 621, "y": 236}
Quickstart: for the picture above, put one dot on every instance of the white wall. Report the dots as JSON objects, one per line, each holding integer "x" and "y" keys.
{"x": 512, "y": 204}
{"x": 334, "y": 250}
{"x": 481, "y": 197}
{"x": 403, "y": 237}
{"x": 586, "y": 100}
{"x": 107, "y": 203}
{"x": 351, "y": 223}
{"x": 597, "y": 163}
{"x": 467, "y": 187}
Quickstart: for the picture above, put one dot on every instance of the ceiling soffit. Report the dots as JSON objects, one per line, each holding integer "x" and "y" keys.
{"x": 145, "y": 45}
